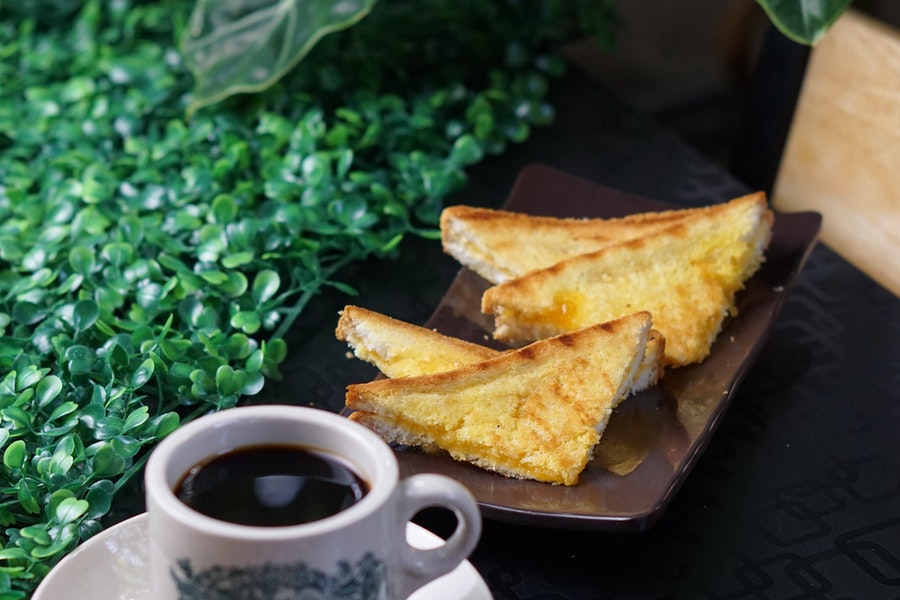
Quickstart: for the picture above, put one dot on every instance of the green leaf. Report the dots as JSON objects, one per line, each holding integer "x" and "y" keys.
{"x": 203, "y": 382}
{"x": 224, "y": 209}
{"x": 166, "y": 424}
{"x": 47, "y": 390}
{"x": 100, "y": 496}
{"x": 28, "y": 313}
{"x": 66, "y": 408}
{"x": 225, "y": 380}
{"x": 237, "y": 46}
{"x": 255, "y": 361}
{"x": 126, "y": 446}
{"x": 57, "y": 497}
{"x": 238, "y": 259}
{"x": 142, "y": 374}
{"x": 19, "y": 418}
{"x": 804, "y": 21}
{"x": 467, "y": 150}
{"x": 247, "y": 321}
{"x": 35, "y": 259}
{"x": 106, "y": 463}
{"x": 37, "y": 533}
{"x": 108, "y": 427}
{"x": 67, "y": 445}
{"x": 235, "y": 286}
{"x": 238, "y": 346}
{"x": 70, "y": 510}
{"x": 64, "y": 537}
{"x": 265, "y": 285}
{"x": 136, "y": 418}
{"x": 85, "y": 314}
{"x": 117, "y": 253}
{"x": 12, "y": 554}
{"x": 26, "y": 494}
{"x": 91, "y": 415}
{"x": 275, "y": 350}
{"x": 14, "y": 455}
{"x": 81, "y": 259}
{"x": 253, "y": 384}
{"x": 80, "y": 359}
{"x": 27, "y": 377}
{"x": 88, "y": 528}
{"x": 214, "y": 277}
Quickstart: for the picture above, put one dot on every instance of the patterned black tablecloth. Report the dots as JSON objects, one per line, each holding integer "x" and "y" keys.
{"x": 798, "y": 493}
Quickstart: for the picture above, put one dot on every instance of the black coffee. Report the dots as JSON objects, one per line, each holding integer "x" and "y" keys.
{"x": 271, "y": 486}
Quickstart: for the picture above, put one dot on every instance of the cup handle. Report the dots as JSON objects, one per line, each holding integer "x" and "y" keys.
{"x": 426, "y": 490}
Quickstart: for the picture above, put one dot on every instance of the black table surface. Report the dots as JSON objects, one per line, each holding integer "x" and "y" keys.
{"x": 797, "y": 494}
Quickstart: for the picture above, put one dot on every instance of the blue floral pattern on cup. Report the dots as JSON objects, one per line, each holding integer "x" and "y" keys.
{"x": 364, "y": 580}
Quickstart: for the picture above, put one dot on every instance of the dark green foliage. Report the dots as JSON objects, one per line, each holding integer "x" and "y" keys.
{"x": 150, "y": 264}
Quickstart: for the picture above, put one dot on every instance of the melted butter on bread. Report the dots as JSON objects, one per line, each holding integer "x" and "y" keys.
{"x": 532, "y": 412}
{"x": 686, "y": 275}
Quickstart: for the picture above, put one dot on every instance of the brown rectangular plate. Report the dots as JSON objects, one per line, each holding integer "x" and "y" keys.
{"x": 654, "y": 438}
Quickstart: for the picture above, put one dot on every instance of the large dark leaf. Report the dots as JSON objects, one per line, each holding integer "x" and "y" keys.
{"x": 804, "y": 21}
{"x": 235, "y": 46}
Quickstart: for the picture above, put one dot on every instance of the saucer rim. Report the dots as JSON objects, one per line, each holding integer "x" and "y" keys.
{"x": 416, "y": 535}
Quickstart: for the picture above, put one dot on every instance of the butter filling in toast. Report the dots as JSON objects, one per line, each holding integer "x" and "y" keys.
{"x": 686, "y": 276}
{"x": 531, "y": 413}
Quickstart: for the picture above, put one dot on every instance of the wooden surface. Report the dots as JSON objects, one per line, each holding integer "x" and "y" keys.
{"x": 842, "y": 156}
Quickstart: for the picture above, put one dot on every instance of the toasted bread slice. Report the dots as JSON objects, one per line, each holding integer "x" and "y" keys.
{"x": 686, "y": 275}
{"x": 400, "y": 349}
{"x": 501, "y": 245}
{"x": 528, "y": 413}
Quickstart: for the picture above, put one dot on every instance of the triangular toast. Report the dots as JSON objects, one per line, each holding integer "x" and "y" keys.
{"x": 401, "y": 349}
{"x": 686, "y": 275}
{"x": 529, "y": 413}
{"x": 501, "y": 245}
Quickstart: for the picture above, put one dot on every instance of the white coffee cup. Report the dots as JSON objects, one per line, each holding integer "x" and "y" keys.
{"x": 362, "y": 547}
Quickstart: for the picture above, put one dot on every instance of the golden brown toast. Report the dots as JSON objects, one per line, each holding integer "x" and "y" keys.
{"x": 400, "y": 349}
{"x": 686, "y": 275}
{"x": 501, "y": 245}
{"x": 529, "y": 413}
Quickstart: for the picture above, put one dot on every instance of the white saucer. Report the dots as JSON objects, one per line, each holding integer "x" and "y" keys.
{"x": 113, "y": 566}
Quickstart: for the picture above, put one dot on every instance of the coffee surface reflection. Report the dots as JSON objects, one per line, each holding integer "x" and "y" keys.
{"x": 271, "y": 486}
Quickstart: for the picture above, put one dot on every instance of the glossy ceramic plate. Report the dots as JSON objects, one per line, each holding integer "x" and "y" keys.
{"x": 654, "y": 438}
{"x": 114, "y": 565}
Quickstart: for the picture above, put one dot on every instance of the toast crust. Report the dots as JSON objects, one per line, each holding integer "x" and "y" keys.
{"x": 531, "y": 413}
{"x": 501, "y": 245}
{"x": 401, "y": 349}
